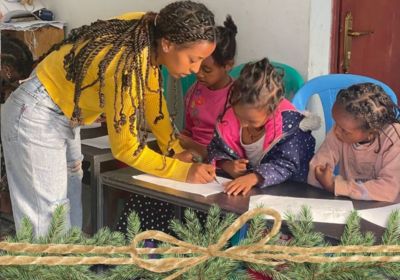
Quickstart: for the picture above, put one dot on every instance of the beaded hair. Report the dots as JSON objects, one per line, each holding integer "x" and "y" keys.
{"x": 181, "y": 22}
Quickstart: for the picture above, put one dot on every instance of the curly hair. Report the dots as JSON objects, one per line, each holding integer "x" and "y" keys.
{"x": 181, "y": 22}
{"x": 259, "y": 84}
{"x": 369, "y": 103}
{"x": 16, "y": 55}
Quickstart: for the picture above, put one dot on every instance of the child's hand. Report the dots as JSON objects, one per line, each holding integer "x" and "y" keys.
{"x": 185, "y": 156}
{"x": 200, "y": 173}
{"x": 235, "y": 168}
{"x": 241, "y": 184}
{"x": 188, "y": 143}
{"x": 185, "y": 141}
{"x": 325, "y": 177}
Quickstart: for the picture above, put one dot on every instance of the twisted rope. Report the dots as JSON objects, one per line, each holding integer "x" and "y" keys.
{"x": 259, "y": 252}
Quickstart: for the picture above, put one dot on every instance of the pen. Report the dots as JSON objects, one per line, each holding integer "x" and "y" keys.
{"x": 216, "y": 180}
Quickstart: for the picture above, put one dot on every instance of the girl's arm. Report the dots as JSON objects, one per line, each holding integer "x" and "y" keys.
{"x": 385, "y": 188}
{"x": 216, "y": 151}
{"x": 189, "y": 144}
{"x": 284, "y": 160}
{"x": 187, "y": 131}
{"x": 327, "y": 154}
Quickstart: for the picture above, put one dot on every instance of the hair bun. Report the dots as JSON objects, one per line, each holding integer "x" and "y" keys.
{"x": 230, "y": 25}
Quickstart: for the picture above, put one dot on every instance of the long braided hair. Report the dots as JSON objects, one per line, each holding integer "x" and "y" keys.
{"x": 181, "y": 22}
{"x": 368, "y": 103}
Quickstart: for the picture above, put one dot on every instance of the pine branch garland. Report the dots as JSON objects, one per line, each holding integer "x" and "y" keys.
{"x": 191, "y": 230}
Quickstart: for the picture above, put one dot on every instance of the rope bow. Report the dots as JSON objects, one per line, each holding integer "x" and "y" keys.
{"x": 259, "y": 252}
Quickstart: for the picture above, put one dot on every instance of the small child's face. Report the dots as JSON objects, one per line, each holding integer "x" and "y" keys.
{"x": 213, "y": 75}
{"x": 347, "y": 128}
{"x": 250, "y": 116}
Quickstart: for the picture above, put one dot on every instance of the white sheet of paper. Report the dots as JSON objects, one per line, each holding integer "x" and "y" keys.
{"x": 322, "y": 210}
{"x": 90, "y": 126}
{"x": 378, "y": 216}
{"x": 103, "y": 142}
{"x": 201, "y": 189}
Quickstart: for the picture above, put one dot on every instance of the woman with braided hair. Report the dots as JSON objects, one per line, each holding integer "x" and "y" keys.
{"x": 365, "y": 143}
{"x": 111, "y": 67}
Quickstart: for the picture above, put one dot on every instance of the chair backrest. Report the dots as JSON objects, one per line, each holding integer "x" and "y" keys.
{"x": 292, "y": 79}
{"x": 326, "y": 88}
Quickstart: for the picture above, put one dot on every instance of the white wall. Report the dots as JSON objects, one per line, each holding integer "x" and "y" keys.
{"x": 320, "y": 37}
{"x": 279, "y": 29}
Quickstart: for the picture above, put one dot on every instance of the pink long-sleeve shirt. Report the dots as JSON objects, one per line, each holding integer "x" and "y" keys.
{"x": 363, "y": 173}
{"x": 203, "y": 106}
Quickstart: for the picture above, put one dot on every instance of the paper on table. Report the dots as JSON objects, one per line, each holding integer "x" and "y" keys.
{"x": 102, "y": 142}
{"x": 201, "y": 189}
{"x": 90, "y": 126}
{"x": 98, "y": 142}
{"x": 322, "y": 210}
{"x": 378, "y": 216}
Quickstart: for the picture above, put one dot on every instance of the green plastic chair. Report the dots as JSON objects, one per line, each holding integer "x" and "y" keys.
{"x": 292, "y": 79}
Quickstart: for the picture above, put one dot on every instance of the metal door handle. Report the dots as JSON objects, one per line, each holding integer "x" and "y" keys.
{"x": 348, "y": 36}
{"x": 358, "y": 33}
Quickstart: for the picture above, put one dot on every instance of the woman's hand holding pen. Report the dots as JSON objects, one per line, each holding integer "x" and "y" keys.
{"x": 200, "y": 173}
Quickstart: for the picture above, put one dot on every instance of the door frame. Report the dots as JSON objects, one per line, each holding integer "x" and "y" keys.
{"x": 335, "y": 36}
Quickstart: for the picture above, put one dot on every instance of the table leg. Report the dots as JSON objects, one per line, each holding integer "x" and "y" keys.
{"x": 100, "y": 205}
{"x": 178, "y": 212}
{"x": 94, "y": 182}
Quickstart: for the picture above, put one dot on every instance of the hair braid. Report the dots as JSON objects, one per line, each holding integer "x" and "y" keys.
{"x": 124, "y": 42}
{"x": 259, "y": 84}
{"x": 368, "y": 103}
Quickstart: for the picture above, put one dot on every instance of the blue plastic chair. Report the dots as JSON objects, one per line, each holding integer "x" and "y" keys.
{"x": 326, "y": 88}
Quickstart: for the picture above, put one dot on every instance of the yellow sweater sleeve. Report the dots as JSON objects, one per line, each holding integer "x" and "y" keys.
{"x": 52, "y": 74}
{"x": 124, "y": 144}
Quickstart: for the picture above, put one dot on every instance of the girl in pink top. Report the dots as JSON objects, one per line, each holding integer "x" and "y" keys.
{"x": 206, "y": 99}
{"x": 365, "y": 143}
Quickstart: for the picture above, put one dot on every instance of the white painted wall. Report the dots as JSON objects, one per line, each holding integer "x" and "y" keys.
{"x": 320, "y": 37}
{"x": 289, "y": 31}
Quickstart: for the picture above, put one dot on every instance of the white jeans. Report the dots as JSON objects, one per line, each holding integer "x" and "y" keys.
{"x": 43, "y": 158}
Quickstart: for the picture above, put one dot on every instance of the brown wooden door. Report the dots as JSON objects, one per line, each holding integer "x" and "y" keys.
{"x": 377, "y": 54}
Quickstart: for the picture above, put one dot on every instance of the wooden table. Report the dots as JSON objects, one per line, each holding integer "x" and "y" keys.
{"x": 122, "y": 179}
